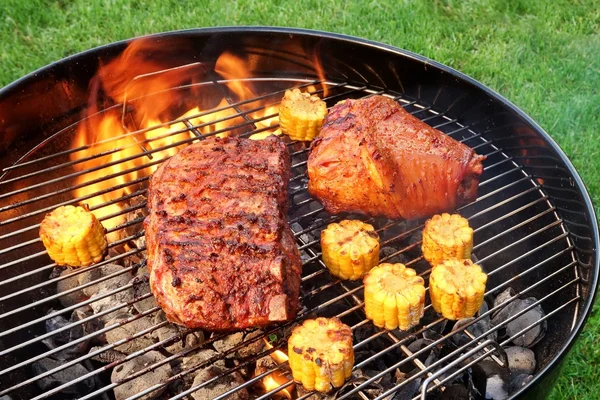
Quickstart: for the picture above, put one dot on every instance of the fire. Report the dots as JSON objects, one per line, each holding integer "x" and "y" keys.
{"x": 150, "y": 88}
{"x": 276, "y": 378}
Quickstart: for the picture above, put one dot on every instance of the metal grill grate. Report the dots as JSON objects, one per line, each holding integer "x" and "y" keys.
{"x": 520, "y": 240}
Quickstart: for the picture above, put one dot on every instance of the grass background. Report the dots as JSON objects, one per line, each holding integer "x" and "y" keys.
{"x": 542, "y": 55}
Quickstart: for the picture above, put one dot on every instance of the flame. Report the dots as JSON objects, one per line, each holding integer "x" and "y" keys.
{"x": 150, "y": 87}
{"x": 277, "y": 378}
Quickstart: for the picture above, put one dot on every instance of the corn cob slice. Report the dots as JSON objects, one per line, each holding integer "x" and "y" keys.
{"x": 320, "y": 353}
{"x": 350, "y": 248}
{"x": 447, "y": 236}
{"x": 301, "y": 115}
{"x": 456, "y": 288}
{"x": 394, "y": 296}
{"x": 73, "y": 236}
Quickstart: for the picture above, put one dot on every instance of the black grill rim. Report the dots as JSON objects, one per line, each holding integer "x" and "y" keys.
{"x": 550, "y": 370}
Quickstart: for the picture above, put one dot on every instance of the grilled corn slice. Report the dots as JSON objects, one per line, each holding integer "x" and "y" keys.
{"x": 394, "y": 296}
{"x": 447, "y": 236}
{"x": 456, "y": 288}
{"x": 320, "y": 353}
{"x": 301, "y": 115}
{"x": 73, "y": 236}
{"x": 350, "y": 248}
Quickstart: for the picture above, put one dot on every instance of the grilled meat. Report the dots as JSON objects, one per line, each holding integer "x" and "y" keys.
{"x": 220, "y": 251}
{"x": 375, "y": 158}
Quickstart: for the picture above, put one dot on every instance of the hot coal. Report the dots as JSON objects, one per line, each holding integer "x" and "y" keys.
{"x": 91, "y": 326}
{"x": 496, "y": 379}
{"x": 66, "y": 375}
{"x": 141, "y": 383}
{"x": 521, "y": 360}
{"x": 392, "y": 255}
{"x": 230, "y": 381}
{"x": 409, "y": 390}
{"x": 66, "y": 336}
{"x": 517, "y": 381}
{"x": 180, "y": 337}
{"x": 530, "y": 319}
{"x": 141, "y": 286}
{"x": 105, "y": 286}
{"x": 228, "y": 342}
{"x": 250, "y": 347}
{"x": 71, "y": 282}
{"x": 200, "y": 358}
{"x": 122, "y": 296}
{"x": 107, "y": 356}
{"x": 126, "y": 330}
{"x": 477, "y": 330}
{"x": 501, "y": 300}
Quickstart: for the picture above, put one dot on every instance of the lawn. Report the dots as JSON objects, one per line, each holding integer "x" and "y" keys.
{"x": 544, "y": 56}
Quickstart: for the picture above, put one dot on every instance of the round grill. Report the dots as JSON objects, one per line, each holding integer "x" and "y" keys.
{"x": 534, "y": 228}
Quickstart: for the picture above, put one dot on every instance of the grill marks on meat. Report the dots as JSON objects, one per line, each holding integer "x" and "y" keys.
{"x": 221, "y": 253}
{"x": 375, "y": 158}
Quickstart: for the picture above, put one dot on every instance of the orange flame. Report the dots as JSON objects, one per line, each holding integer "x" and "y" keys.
{"x": 277, "y": 378}
{"x": 124, "y": 144}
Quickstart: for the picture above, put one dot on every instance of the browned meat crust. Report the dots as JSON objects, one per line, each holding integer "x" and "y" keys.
{"x": 220, "y": 251}
{"x": 375, "y": 158}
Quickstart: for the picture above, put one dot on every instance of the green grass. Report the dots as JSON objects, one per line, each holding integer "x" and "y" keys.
{"x": 544, "y": 56}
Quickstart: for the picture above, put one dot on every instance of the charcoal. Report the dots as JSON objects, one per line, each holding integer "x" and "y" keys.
{"x": 127, "y": 330}
{"x": 100, "y": 305}
{"x": 456, "y": 391}
{"x": 476, "y": 329}
{"x": 501, "y": 300}
{"x": 521, "y": 360}
{"x": 183, "y": 340}
{"x": 141, "y": 286}
{"x": 496, "y": 379}
{"x": 64, "y": 337}
{"x": 71, "y": 282}
{"x": 198, "y": 358}
{"x": 496, "y": 388}
{"x": 388, "y": 251}
{"x": 228, "y": 342}
{"x": 219, "y": 386}
{"x": 141, "y": 383}
{"x": 408, "y": 390}
{"x": 5, "y": 397}
{"x": 396, "y": 232}
{"x": 61, "y": 377}
{"x": 517, "y": 381}
{"x": 107, "y": 285}
{"x": 533, "y": 316}
{"x": 107, "y": 356}
{"x": 90, "y": 327}
{"x": 251, "y": 348}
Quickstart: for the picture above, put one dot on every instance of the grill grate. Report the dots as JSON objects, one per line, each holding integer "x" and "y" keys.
{"x": 513, "y": 221}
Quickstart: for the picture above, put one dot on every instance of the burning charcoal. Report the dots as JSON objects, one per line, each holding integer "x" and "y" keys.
{"x": 127, "y": 330}
{"x": 251, "y": 348}
{"x": 5, "y": 397}
{"x": 120, "y": 297}
{"x": 517, "y": 381}
{"x": 477, "y": 330}
{"x": 502, "y": 298}
{"x": 64, "y": 337}
{"x": 408, "y": 390}
{"x": 388, "y": 251}
{"x": 219, "y": 386}
{"x": 496, "y": 388}
{"x": 533, "y": 316}
{"x": 228, "y": 342}
{"x": 141, "y": 286}
{"x": 107, "y": 356}
{"x": 199, "y": 358}
{"x": 456, "y": 391}
{"x": 107, "y": 285}
{"x": 520, "y": 360}
{"x": 89, "y": 327}
{"x": 70, "y": 283}
{"x": 151, "y": 377}
{"x": 183, "y": 340}
{"x": 496, "y": 379}
{"x": 61, "y": 377}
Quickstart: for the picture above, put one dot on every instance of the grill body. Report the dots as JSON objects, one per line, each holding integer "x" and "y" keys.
{"x": 534, "y": 217}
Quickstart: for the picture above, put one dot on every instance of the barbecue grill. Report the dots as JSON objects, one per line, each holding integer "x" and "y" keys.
{"x": 535, "y": 229}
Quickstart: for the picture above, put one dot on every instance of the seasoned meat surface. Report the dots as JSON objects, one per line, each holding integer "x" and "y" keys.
{"x": 220, "y": 251}
{"x": 375, "y": 158}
